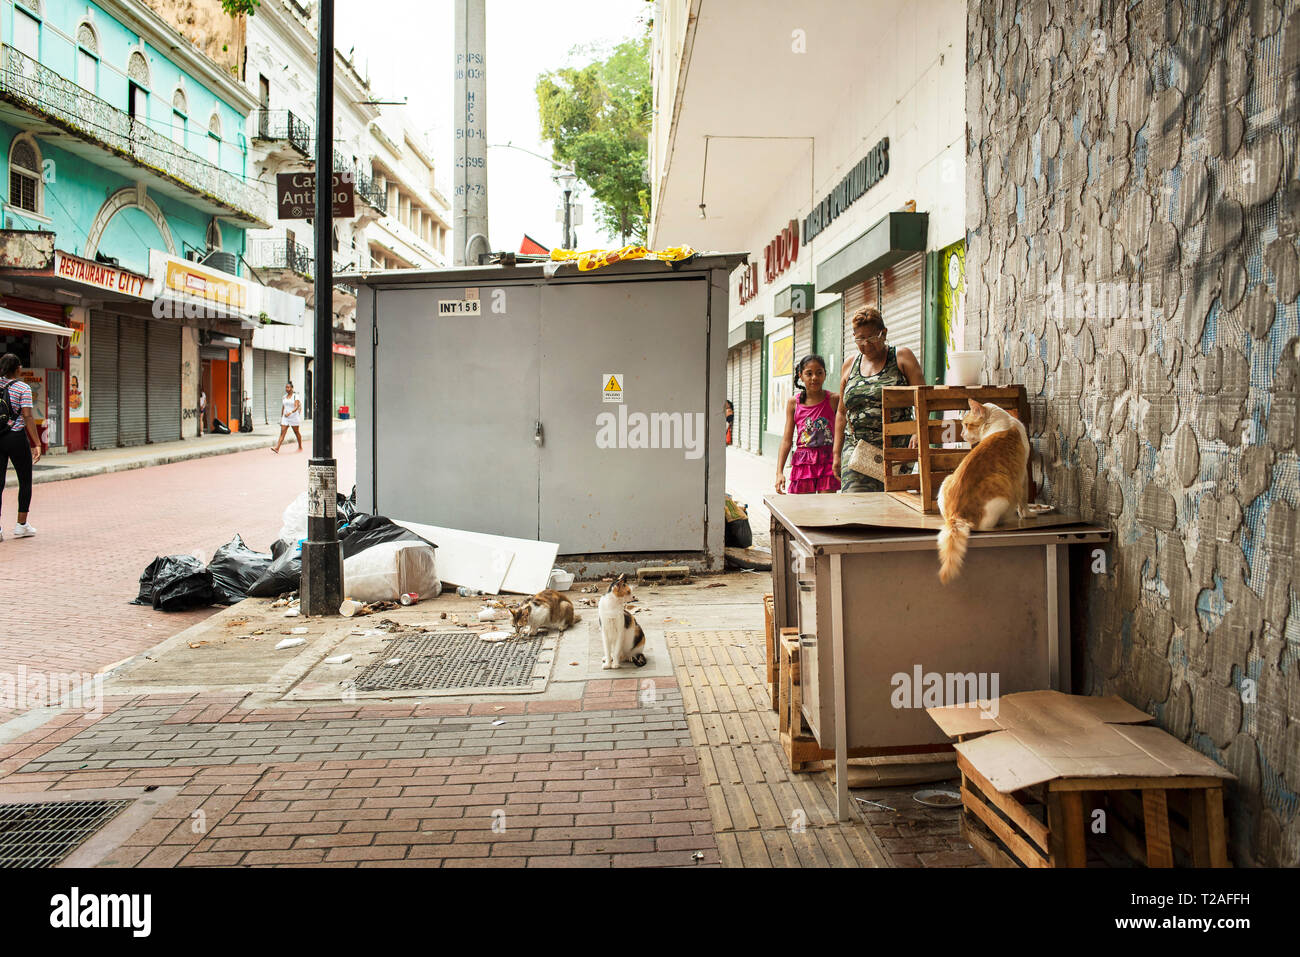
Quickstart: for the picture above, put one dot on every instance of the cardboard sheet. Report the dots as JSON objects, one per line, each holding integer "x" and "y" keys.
{"x": 881, "y": 510}
{"x": 491, "y": 563}
{"x": 1039, "y": 736}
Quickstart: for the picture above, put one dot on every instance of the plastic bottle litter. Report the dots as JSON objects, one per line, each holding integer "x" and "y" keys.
{"x": 290, "y": 643}
{"x": 465, "y": 592}
{"x": 410, "y": 598}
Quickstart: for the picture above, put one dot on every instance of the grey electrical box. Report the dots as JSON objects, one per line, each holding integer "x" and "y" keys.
{"x": 578, "y": 408}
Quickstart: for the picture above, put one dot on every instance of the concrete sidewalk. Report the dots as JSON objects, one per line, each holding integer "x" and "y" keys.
{"x": 73, "y": 465}
{"x": 264, "y": 757}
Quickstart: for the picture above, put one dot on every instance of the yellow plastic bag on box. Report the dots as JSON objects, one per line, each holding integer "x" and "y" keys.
{"x": 595, "y": 258}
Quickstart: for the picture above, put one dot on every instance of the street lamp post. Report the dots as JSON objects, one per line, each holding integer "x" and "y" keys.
{"x": 321, "y": 589}
{"x": 566, "y": 180}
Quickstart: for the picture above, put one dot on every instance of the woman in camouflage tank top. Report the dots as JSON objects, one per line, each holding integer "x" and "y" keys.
{"x": 861, "y": 380}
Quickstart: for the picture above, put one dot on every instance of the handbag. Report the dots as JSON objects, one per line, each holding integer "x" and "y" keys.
{"x": 868, "y": 459}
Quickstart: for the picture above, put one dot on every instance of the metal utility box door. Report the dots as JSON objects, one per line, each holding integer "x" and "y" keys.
{"x": 493, "y": 408}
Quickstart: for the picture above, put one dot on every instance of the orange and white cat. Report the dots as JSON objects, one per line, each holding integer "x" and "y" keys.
{"x": 546, "y": 609}
{"x": 620, "y": 634}
{"x": 989, "y": 484}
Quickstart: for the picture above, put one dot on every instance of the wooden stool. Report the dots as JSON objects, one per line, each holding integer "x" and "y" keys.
{"x": 920, "y": 489}
{"x": 1061, "y": 767}
{"x": 773, "y": 651}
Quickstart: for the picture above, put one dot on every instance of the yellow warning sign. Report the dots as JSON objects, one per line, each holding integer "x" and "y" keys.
{"x": 612, "y": 386}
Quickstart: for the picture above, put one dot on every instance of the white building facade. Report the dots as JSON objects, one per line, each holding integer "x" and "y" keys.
{"x": 281, "y": 72}
{"x": 416, "y": 232}
{"x": 846, "y": 184}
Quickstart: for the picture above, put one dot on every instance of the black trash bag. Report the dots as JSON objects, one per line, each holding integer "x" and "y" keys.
{"x": 738, "y": 534}
{"x": 367, "y": 531}
{"x": 347, "y": 508}
{"x": 220, "y": 428}
{"x": 146, "y": 584}
{"x": 181, "y": 582}
{"x": 235, "y": 567}
{"x": 284, "y": 574}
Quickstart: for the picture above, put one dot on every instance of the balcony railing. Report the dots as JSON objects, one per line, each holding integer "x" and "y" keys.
{"x": 281, "y": 254}
{"x": 287, "y": 126}
{"x": 373, "y": 192}
{"x": 40, "y": 90}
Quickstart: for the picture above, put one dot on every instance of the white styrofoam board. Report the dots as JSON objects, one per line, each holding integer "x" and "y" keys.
{"x": 528, "y": 563}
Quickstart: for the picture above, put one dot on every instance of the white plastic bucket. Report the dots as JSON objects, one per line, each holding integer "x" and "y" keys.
{"x": 964, "y": 368}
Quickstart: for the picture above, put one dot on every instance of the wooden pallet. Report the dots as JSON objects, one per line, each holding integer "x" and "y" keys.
{"x": 920, "y": 489}
{"x": 801, "y": 748}
{"x": 1048, "y": 826}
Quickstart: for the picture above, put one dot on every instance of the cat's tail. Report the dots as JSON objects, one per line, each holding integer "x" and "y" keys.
{"x": 952, "y": 548}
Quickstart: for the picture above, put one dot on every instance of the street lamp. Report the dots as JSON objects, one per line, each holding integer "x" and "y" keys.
{"x": 566, "y": 180}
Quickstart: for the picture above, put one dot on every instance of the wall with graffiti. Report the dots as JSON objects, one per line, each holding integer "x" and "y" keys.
{"x": 1132, "y": 216}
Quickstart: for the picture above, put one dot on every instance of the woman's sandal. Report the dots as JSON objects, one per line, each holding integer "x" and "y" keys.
{"x": 275, "y": 450}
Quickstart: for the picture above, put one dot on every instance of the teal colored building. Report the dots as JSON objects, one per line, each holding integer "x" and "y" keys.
{"x": 126, "y": 203}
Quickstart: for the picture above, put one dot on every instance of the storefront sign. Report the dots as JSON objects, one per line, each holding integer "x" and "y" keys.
{"x": 295, "y": 195}
{"x": 78, "y": 393}
{"x": 781, "y": 251}
{"x": 749, "y": 283}
{"x": 35, "y": 380}
{"x": 342, "y": 350}
{"x": 182, "y": 279}
{"x": 89, "y": 273}
{"x": 870, "y": 171}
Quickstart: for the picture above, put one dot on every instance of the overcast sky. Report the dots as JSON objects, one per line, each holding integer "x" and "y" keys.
{"x": 407, "y": 47}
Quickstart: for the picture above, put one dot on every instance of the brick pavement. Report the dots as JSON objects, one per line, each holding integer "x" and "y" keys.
{"x": 64, "y": 594}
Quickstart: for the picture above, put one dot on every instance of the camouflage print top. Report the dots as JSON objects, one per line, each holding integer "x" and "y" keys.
{"x": 862, "y": 401}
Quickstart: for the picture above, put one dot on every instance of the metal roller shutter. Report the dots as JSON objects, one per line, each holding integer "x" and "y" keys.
{"x": 164, "y": 382}
{"x": 741, "y": 400}
{"x": 855, "y": 297}
{"x": 132, "y": 381}
{"x": 803, "y": 337}
{"x": 258, "y": 398}
{"x": 277, "y": 374}
{"x": 903, "y": 303}
{"x": 755, "y": 396}
{"x": 103, "y": 381}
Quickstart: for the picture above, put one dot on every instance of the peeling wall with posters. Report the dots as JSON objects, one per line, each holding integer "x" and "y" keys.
{"x": 1132, "y": 216}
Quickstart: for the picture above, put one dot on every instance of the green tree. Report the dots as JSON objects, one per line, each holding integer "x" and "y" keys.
{"x": 598, "y": 121}
{"x": 236, "y": 7}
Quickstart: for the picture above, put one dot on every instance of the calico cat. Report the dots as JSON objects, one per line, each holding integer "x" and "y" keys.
{"x": 546, "y": 609}
{"x": 988, "y": 484}
{"x": 619, "y": 632}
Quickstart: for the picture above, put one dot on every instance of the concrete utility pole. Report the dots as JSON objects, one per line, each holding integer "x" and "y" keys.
{"x": 470, "y": 221}
{"x": 321, "y": 591}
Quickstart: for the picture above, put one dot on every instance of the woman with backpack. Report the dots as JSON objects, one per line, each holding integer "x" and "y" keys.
{"x": 24, "y": 450}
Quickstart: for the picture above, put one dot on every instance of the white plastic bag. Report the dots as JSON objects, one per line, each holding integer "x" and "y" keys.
{"x": 294, "y": 529}
{"x": 388, "y": 571}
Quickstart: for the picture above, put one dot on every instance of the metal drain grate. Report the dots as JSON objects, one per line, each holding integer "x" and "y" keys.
{"x": 41, "y": 835}
{"x": 453, "y": 661}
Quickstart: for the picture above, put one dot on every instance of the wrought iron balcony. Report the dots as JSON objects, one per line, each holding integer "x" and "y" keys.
{"x": 281, "y": 254}
{"x": 287, "y": 126}
{"x": 373, "y": 192}
{"x": 42, "y": 92}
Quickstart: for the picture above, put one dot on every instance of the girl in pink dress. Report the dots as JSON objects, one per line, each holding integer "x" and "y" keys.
{"x": 810, "y": 414}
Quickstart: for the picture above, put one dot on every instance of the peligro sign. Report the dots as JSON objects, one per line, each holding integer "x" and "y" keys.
{"x": 869, "y": 171}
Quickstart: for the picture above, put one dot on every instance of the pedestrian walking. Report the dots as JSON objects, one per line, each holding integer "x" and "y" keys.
{"x": 19, "y": 441}
{"x": 810, "y": 413}
{"x": 290, "y": 417}
{"x": 731, "y": 415}
{"x": 859, "y": 443}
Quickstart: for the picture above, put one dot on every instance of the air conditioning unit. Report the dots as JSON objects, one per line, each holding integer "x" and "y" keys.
{"x": 225, "y": 261}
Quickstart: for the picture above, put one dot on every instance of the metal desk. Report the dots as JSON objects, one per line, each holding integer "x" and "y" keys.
{"x": 874, "y": 620}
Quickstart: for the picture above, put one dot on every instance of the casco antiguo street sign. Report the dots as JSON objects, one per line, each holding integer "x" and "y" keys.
{"x": 295, "y": 195}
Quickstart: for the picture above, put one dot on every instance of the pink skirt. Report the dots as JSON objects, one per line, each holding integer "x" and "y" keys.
{"x": 810, "y": 471}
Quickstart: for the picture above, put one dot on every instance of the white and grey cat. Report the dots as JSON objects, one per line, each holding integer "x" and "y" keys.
{"x": 619, "y": 632}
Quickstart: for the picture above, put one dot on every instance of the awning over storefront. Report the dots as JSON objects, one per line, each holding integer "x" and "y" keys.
{"x": 16, "y": 320}
{"x": 188, "y": 289}
{"x": 893, "y": 239}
